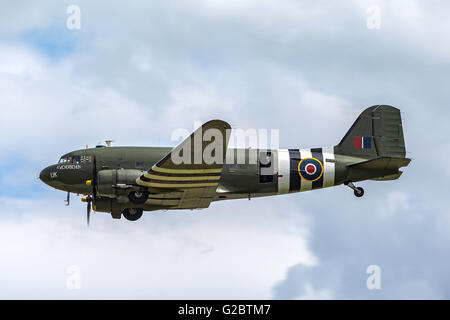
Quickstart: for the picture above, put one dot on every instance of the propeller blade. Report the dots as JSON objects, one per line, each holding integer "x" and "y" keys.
{"x": 94, "y": 180}
{"x": 91, "y": 199}
{"x": 88, "y": 212}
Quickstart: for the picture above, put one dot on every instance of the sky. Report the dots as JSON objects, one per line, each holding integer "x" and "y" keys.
{"x": 134, "y": 73}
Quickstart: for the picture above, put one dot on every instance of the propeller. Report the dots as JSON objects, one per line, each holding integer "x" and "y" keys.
{"x": 88, "y": 200}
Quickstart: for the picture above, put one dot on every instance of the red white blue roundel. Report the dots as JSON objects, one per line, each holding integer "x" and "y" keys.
{"x": 310, "y": 169}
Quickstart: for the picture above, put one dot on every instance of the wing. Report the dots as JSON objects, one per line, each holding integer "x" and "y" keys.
{"x": 188, "y": 176}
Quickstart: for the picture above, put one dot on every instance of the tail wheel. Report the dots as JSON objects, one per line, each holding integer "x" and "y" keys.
{"x": 138, "y": 197}
{"x": 132, "y": 214}
{"x": 359, "y": 192}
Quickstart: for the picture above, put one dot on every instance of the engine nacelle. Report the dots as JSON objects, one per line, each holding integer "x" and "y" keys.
{"x": 111, "y": 183}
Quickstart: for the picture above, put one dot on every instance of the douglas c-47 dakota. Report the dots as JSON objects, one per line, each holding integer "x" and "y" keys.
{"x": 201, "y": 169}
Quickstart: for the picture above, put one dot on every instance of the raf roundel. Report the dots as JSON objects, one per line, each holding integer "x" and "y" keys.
{"x": 310, "y": 169}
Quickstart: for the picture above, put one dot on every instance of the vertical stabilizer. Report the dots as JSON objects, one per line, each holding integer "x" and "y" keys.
{"x": 377, "y": 132}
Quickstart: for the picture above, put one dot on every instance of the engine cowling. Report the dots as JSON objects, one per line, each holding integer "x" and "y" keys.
{"x": 111, "y": 183}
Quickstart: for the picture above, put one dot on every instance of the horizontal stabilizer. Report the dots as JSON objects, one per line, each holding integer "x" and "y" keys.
{"x": 389, "y": 177}
{"x": 382, "y": 163}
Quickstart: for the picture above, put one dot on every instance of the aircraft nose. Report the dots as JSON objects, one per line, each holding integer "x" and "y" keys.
{"x": 45, "y": 175}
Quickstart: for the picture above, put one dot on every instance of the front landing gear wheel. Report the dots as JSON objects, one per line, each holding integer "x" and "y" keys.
{"x": 138, "y": 197}
{"x": 132, "y": 214}
{"x": 359, "y": 192}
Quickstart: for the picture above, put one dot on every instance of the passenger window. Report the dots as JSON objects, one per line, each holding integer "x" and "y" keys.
{"x": 139, "y": 165}
{"x": 265, "y": 167}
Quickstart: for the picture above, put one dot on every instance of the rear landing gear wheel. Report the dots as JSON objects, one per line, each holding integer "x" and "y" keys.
{"x": 132, "y": 214}
{"x": 138, "y": 197}
{"x": 359, "y": 192}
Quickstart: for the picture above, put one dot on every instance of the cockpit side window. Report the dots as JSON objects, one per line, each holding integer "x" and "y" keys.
{"x": 76, "y": 159}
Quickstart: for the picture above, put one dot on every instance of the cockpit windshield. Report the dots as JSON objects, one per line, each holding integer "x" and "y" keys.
{"x": 75, "y": 159}
{"x": 65, "y": 160}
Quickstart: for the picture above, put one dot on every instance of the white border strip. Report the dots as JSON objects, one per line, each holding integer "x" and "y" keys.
{"x": 283, "y": 170}
{"x": 329, "y": 167}
{"x": 304, "y": 184}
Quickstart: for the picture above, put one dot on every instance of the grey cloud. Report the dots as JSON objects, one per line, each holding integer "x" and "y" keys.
{"x": 407, "y": 241}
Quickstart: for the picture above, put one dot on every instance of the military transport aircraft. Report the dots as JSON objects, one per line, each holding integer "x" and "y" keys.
{"x": 201, "y": 169}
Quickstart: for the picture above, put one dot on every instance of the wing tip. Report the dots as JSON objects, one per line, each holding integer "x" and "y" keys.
{"x": 217, "y": 122}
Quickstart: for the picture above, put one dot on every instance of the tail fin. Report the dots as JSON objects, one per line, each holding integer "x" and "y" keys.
{"x": 377, "y": 132}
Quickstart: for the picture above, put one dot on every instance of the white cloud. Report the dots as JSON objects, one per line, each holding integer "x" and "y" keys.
{"x": 47, "y": 107}
{"x": 397, "y": 201}
{"x": 164, "y": 255}
{"x": 193, "y": 103}
{"x": 20, "y": 17}
{"x": 311, "y": 294}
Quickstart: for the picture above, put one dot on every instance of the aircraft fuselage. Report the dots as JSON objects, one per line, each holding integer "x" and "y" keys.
{"x": 238, "y": 180}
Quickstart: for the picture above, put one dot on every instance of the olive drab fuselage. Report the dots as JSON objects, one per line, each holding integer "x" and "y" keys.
{"x": 135, "y": 179}
{"x": 237, "y": 180}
